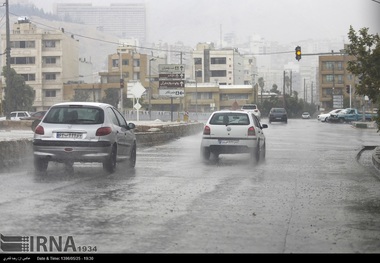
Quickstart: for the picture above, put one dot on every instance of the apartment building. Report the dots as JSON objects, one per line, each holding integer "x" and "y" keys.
{"x": 45, "y": 58}
{"x": 334, "y": 78}
{"x": 122, "y": 20}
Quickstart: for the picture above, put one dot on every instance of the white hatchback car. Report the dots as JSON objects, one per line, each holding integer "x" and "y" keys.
{"x": 231, "y": 132}
{"x": 84, "y": 132}
{"x": 252, "y": 108}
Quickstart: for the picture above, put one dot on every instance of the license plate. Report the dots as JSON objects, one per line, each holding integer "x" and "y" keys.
{"x": 69, "y": 135}
{"x": 228, "y": 141}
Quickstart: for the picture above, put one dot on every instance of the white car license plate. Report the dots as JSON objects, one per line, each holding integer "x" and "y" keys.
{"x": 69, "y": 135}
{"x": 228, "y": 141}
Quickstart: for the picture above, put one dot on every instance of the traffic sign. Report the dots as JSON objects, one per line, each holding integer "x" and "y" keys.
{"x": 172, "y": 76}
{"x": 171, "y": 84}
{"x": 174, "y": 93}
{"x": 171, "y": 68}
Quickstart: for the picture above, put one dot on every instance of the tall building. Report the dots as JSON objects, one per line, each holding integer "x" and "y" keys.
{"x": 45, "y": 58}
{"x": 122, "y": 20}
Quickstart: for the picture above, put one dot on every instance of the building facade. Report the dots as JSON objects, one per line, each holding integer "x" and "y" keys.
{"x": 334, "y": 80}
{"x": 46, "y": 60}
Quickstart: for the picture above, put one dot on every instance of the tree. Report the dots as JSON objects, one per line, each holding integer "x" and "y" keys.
{"x": 112, "y": 97}
{"x": 261, "y": 84}
{"x": 365, "y": 48}
{"x": 19, "y": 96}
{"x": 275, "y": 89}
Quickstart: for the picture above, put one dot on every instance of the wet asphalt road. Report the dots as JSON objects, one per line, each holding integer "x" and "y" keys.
{"x": 311, "y": 195}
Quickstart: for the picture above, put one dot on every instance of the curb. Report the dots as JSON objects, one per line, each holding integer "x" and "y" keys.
{"x": 376, "y": 158}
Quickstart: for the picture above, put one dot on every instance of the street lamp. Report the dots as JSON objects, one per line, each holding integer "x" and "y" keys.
{"x": 150, "y": 88}
{"x": 121, "y": 82}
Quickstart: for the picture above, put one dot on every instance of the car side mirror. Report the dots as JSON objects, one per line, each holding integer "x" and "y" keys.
{"x": 264, "y": 126}
{"x": 131, "y": 126}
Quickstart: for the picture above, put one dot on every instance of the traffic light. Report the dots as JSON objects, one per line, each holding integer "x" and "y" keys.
{"x": 298, "y": 53}
{"x": 121, "y": 83}
{"x": 348, "y": 89}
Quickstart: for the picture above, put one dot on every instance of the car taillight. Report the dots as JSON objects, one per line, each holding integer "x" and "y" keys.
{"x": 39, "y": 130}
{"x": 103, "y": 131}
{"x": 251, "y": 131}
{"x": 206, "y": 130}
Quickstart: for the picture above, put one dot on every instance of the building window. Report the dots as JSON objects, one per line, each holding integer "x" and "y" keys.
{"x": 23, "y": 60}
{"x": 198, "y": 61}
{"x": 198, "y": 74}
{"x": 49, "y": 43}
{"x": 50, "y": 93}
{"x": 136, "y": 63}
{"x": 218, "y": 73}
{"x": 50, "y": 76}
{"x": 115, "y": 63}
{"x": 218, "y": 60}
{"x": 23, "y": 44}
{"x": 50, "y": 60}
{"x": 29, "y": 77}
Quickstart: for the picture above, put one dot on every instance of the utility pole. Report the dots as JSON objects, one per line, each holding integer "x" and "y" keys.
{"x": 8, "y": 93}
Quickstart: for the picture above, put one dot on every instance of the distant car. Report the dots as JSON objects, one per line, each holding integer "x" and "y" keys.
{"x": 231, "y": 132}
{"x": 325, "y": 116}
{"x": 35, "y": 115}
{"x": 306, "y": 115}
{"x": 278, "y": 115}
{"x": 84, "y": 132}
{"x": 252, "y": 108}
{"x": 17, "y": 115}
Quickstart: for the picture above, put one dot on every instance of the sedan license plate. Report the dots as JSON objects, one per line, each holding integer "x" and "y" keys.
{"x": 228, "y": 141}
{"x": 69, "y": 135}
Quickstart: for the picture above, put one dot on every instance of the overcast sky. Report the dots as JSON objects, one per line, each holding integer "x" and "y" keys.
{"x": 285, "y": 21}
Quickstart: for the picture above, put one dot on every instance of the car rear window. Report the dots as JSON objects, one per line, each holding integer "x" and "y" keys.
{"x": 279, "y": 110}
{"x": 230, "y": 118}
{"x": 249, "y": 107}
{"x": 75, "y": 115}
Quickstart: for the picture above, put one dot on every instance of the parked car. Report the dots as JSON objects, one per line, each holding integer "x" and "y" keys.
{"x": 325, "y": 116}
{"x": 252, "y": 108}
{"x": 278, "y": 115}
{"x": 84, "y": 132}
{"x": 231, "y": 132}
{"x": 350, "y": 114}
{"x": 306, "y": 115}
{"x": 17, "y": 115}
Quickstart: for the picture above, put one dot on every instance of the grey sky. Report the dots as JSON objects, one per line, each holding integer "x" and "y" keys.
{"x": 193, "y": 21}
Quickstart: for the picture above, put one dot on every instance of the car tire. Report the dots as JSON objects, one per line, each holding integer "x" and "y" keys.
{"x": 109, "y": 165}
{"x": 263, "y": 150}
{"x": 256, "y": 154}
{"x": 205, "y": 153}
{"x": 132, "y": 157}
{"x": 40, "y": 165}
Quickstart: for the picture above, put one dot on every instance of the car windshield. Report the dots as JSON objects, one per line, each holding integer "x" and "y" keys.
{"x": 230, "y": 118}
{"x": 75, "y": 115}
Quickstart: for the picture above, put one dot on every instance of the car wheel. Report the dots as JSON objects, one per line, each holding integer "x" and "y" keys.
{"x": 341, "y": 120}
{"x": 40, "y": 165}
{"x": 256, "y": 154}
{"x": 132, "y": 158}
{"x": 110, "y": 164}
{"x": 205, "y": 153}
{"x": 263, "y": 150}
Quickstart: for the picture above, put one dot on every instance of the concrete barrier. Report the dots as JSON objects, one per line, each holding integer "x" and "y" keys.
{"x": 18, "y": 151}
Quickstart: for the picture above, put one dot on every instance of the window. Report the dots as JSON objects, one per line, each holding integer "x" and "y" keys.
{"x": 230, "y": 119}
{"x": 218, "y": 60}
{"x": 50, "y": 60}
{"x": 198, "y": 61}
{"x": 125, "y": 62}
{"x": 49, "y": 43}
{"x": 218, "y": 73}
{"x": 50, "y": 93}
{"x": 29, "y": 77}
{"x": 136, "y": 63}
{"x": 23, "y": 44}
{"x": 50, "y": 76}
{"x": 23, "y": 60}
{"x": 115, "y": 63}
{"x": 82, "y": 115}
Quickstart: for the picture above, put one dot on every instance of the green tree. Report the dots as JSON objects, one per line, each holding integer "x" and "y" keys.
{"x": 261, "y": 84}
{"x": 365, "y": 48}
{"x": 81, "y": 95}
{"x": 19, "y": 96}
{"x": 112, "y": 97}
